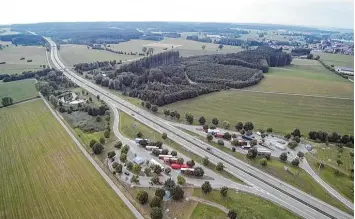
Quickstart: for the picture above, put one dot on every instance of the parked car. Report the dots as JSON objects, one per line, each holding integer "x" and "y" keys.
{"x": 127, "y": 173}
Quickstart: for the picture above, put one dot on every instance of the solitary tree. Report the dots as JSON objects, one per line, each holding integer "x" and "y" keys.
{"x": 160, "y": 193}
{"x": 97, "y": 148}
{"x": 206, "y": 187}
{"x": 239, "y": 126}
{"x": 224, "y": 191}
{"x": 269, "y": 129}
{"x": 142, "y": 197}
{"x": 203, "y": 47}
{"x": 232, "y": 214}
{"x": 155, "y": 108}
{"x": 164, "y": 136}
{"x": 295, "y": 162}
{"x": 144, "y": 49}
{"x": 190, "y": 163}
{"x": 283, "y": 156}
{"x": 263, "y": 162}
{"x": 123, "y": 157}
{"x": 226, "y": 124}
{"x": 92, "y": 142}
{"x": 248, "y": 126}
{"x": 137, "y": 168}
{"x": 118, "y": 144}
{"x": 111, "y": 154}
{"x": 296, "y": 132}
{"x": 300, "y": 154}
{"x": 220, "y": 46}
{"x": 202, "y": 120}
{"x": 139, "y": 134}
{"x": 173, "y": 153}
{"x": 180, "y": 160}
{"x": 209, "y": 137}
{"x": 147, "y": 171}
{"x": 181, "y": 180}
{"x": 215, "y": 121}
{"x": 129, "y": 165}
{"x": 156, "y": 202}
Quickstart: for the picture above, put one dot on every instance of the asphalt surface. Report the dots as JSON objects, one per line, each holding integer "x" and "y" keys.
{"x": 267, "y": 186}
{"x": 97, "y": 167}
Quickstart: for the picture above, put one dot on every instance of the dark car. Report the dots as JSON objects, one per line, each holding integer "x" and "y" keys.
{"x": 127, "y": 173}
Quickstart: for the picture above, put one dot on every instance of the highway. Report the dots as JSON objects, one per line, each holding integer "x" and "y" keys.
{"x": 268, "y": 187}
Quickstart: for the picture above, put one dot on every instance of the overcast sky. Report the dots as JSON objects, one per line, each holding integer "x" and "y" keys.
{"x": 317, "y": 13}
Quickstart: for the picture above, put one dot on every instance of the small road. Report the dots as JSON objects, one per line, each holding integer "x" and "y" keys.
{"x": 203, "y": 201}
{"x": 97, "y": 167}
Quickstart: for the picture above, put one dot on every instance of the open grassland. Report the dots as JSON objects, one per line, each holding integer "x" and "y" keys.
{"x": 72, "y": 54}
{"x": 305, "y": 77}
{"x": 130, "y": 127}
{"x": 281, "y": 112}
{"x": 12, "y": 55}
{"x": 203, "y": 211}
{"x": 343, "y": 182}
{"x": 336, "y": 59}
{"x": 44, "y": 174}
{"x": 247, "y": 206}
{"x": 18, "y": 90}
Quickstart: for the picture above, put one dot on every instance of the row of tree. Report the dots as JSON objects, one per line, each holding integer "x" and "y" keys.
{"x": 333, "y": 137}
{"x": 25, "y": 75}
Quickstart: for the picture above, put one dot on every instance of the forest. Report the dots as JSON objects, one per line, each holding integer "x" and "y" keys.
{"x": 23, "y": 39}
{"x": 161, "y": 78}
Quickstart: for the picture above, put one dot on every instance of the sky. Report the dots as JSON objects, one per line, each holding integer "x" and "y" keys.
{"x": 313, "y": 13}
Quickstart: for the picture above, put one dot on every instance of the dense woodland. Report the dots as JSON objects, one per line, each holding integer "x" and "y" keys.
{"x": 23, "y": 39}
{"x": 161, "y": 79}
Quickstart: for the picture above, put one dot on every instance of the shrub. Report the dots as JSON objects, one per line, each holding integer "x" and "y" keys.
{"x": 164, "y": 136}
{"x": 98, "y": 118}
{"x": 142, "y": 197}
{"x": 269, "y": 130}
{"x": 129, "y": 165}
{"x": 205, "y": 161}
{"x": 220, "y": 166}
{"x": 119, "y": 168}
{"x": 198, "y": 171}
{"x": 173, "y": 153}
{"x": 165, "y": 151}
{"x": 136, "y": 168}
{"x": 292, "y": 144}
{"x": 123, "y": 157}
{"x": 209, "y": 137}
{"x": 288, "y": 136}
{"x": 226, "y": 124}
{"x": 233, "y": 149}
{"x": 181, "y": 180}
{"x": 139, "y": 134}
{"x": 155, "y": 180}
{"x": 190, "y": 163}
{"x": 300, "y": 154}
{"x": 135, "y": 179}
{"x": 283, "y": 156}
{"x": 111, "y": 154}
{"x": 263, "y": 162}
{"x": 147, "y": 171}
{"x": 92, "y": 142}
{"x": 180, "y": 160}
{"x": 220, "y": 142}
{"x": 232, "y": 214}
{"x": 125, "y": 149}
{"x": 224, "y": 191}
{"x": 297, "y": 139}
{"x": 102, "y": 140}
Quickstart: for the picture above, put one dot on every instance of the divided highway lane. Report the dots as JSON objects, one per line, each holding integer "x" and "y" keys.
{"x": 268, "y": 187}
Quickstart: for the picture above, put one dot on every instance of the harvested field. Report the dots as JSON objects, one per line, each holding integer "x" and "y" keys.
{"x": 44, "y": 174}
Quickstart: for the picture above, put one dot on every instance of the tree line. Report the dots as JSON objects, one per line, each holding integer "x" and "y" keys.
{"x": 24, "y": 75}
{"x": 23, "y": 39}
{"x": 333, "y": 137}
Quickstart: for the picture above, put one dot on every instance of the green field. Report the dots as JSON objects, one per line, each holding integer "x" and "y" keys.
{"x": 305, "y": 77}
{"x": 203, "y": 211}
{"x": 281, "y": 112}
{"x": 44, "y": 174}
{"x": 18, "y": 90}
{"x": 12, "y": 54}
{"x": 72, "y": 54}
{"x": 130, "y": 127}
{"x": 344, "y": 183}
{"x": 337, "y": 59}
{"x": 247, "y": 206}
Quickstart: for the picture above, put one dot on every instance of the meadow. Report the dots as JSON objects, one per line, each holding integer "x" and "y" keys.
{"x": 305, "y": 77}
{"x": 246, "y": 206}
{"x": 12, "y": 55}
{"x": 203, "y": 211}
{"x": 44, "y": 174}
{"x": 18, "y": 90}
{"x": 336, "y": 59}
{"x": 344, "y": 182}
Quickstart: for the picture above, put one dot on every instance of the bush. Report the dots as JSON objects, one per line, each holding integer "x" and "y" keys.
{"x": 98, "y": 119}
{"x": 292, "y": 144}
{"x": 220, "y": 142}
{"x": 107, "y": 134}
{"x": 263, "y": 162}
{"x": 147, "y": 171}
{"x": 181, "y": 180}
{"x": 220, "y": 166}
{"x": 227, "y": 136}
{"x": 156, "y": 202}
{"x": 119, "y": 168}
{"x": 190, "y": 163}
{"x": 102, "y": 140}
{"x": 142, "y": 197}
{"x": 164, "y": 136}
{"x": 226, "y": 124}
{"x": 155, "y": 179}
{"x": 97, "y": 148}
{"x": 209, "y": 137}
{"x": 136, "y": 168}
{"x": 173, "y": 153}
{"x": 205, "y": 161}
{"x": 232, "y": 214}
{"x": 295, "y": 162}
{"x": 160, "y": 193}
{"x": 269, "y": 130}
{"x": 156, "y": 213}
{"x": 177, "y": 193}
{"x": 297, "y": 139}
{"x": 165, "y": 151}
{"x": 253, "y": 142}
{"x": 233, "y": 149}
{"x": 288, "y": 136}
{"x": 118, "y": 144}
{"x": 300, "y": 154}
{"x": 206, "y": 187}
{"x": 180, "y": 160}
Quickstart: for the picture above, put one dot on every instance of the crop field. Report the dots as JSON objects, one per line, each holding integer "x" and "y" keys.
{"x": 337, "y": 59}
{"x": 12, "y": 55}
{"x": 246, "y": 206}
{"x": 72, "y": 54}
{"x": 44, "y": 174}
{"x": 18, "y": 90}
{"x": 281, "y": 112}
{"x": 203, "y": 211}
{"x": 305, "y": 77}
